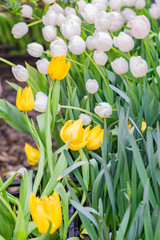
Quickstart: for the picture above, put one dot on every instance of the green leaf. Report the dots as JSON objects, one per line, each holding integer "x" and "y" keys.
{"x": 124, "y": 224}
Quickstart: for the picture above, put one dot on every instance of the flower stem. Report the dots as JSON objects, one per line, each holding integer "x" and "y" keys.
{"x": 7, "y": 62}
{"x": 34, "y": 23}
{"x": 71, "y": 60}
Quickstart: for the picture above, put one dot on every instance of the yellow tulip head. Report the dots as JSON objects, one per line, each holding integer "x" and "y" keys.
{"x": 143, "y": 127}
{"x": 46, "y": 211}
{"x": 33, "y": 155}
{"x": 58, "y": 67}
{"x": 95, "y": 138}
{"x": 25, "y": 99}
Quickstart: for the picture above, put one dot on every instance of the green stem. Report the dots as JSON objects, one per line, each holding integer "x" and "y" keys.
{"x": 117, "y": 51}
{"x": 34, "y": 23}
{"x": 8, "y": 207}
{"x": 7, "y": 62}
{"x": 48, "y": 53}
{"x": 85, "y": 29}
{"x": 71, "y": 60}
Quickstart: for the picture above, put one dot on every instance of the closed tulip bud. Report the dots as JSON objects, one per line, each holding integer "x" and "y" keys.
{"x": 46, "y": 211}
{"x": 138, "y": 66}
{"x": 128, "y": 14}
{"x": 57, "y": 8}
{"x": 81, "y": 5}
{"x": 86, "y": 119}
{"x": 103, "y": 41}
{"x": 60, "y": 19}
{"x": 116, "y": 20}
{"x": 140, "y": 27}
{"x": 115, "y": 5}
{"x": 25, "y": 99}
{"x": 143, "y": 126}
{"x": 124, "y": 42}
{"x": 49, "y": 18}
{"x": 77, "y": 45}
{"x": 40, "y": 103}
{"x": 102, "y": 21}
{"x": 128, "y": 3}
{"x": 103, "y": 110}
{"x": 35, "y": 49}
{"x": 58, "y": 47}
{"x": 58, "y": 68}
{"x": 100, "y": 4}
{"x": 74, "y": 18}
{"x": 154, "y": 11}
{"x": 68, "y": 11}
{"x": 89, "y": 13}
{"x": 140, "y": 4}
{"x": 19, "y": 30}
{"x": 20, "y": 73}
{"x": 92, "y": 86}
{"x": 33, "y": 155}
{"x": 90, "y": 43}
{"x": 49, "y": 1}
{"x": 70, "y": 28}
{"x": 42, "y": 65}
{"x": 49, "y": 33}
{"x": 100, "y": 58}
{"x": 157, "y": 2}
{"x": 158, "y": 70}
{"x": 26, "y": 11}
{"x": 120, "y": 66}
{"x": 94, "y": 137}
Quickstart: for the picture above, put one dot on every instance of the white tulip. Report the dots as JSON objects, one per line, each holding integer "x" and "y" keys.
{"x": 90, "y": 43}
{"x": 86, "y": 119}
{"x": 100, "y": 4}
{"x": 128, "y": 14}
{"x": 49, "y": 18}
{"x": 81, "y": 5}
{"x": 77, "y": 45}
{"x": 140, "y": 4}
{"x": 74, "y": 18}
{"x": 49, "y": 1}
{"x": 58, "y": 108}
{"x": 70, "y": 28}
{"x": 116, "y": 20}
{"x": 89, "y": 13}
{"x": 154, "y": 11}
{"x": 100, "y": 58}
{"x": 42, "y": 65}
{"x": 120, "y": 66}
{"x": 56, "y": 8}
{"x": 103, "y": 110}
{"x": 68, "y": 11}
{"x": 26, "y": 11}
{"x": 157, "y": 2}
{"x": 115, "y": 5}
{"x": 128, "y": 3}
{"x": 35, "y": 49}
{"x": 102, "y": 22}
{"x": 40, "y": 103}
{"x": 92, "y": 86}
{"x": 158, "y": 70}
{"x": 138, "y": 66}
{"x": 19, "y": 30}
{"x": 49, "y": 33}
{"x": 60, "y": 19}
{"x": 124, "y": 42}
{"x": 140, "y": 27}
{"x": 20, "y": 73}
{"x": 58, "y": 47}
{"x": 103, "y": 41}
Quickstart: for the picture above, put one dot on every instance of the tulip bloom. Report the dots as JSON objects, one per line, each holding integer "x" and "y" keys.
{"x": 46, "y": 211}
{"x": 94, "y": 137}
{"x": 25, "y": 100}
{"x": 58, "y": 68}
{"x": 33, "y": 155}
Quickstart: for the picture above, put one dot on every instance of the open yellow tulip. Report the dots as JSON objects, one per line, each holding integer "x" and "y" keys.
{"x": 46, "y": 211}
{"x": 25, "y": 100}
{"x": 94, "y": 138}
{"x": 33, "y": 155}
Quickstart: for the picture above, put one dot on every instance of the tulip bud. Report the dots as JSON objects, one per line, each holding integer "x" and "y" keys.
{"x": 89, "y": 13}
{"x": 20, "y": 73}
{"x": 49, "y": 33}
{"x": 158, "y": 70}
{"x": 49, "y": 18}
{"x": 100, "y": 4}
{"x": 154, "y": 11}
{"x": 128, "y": 14}
{"x": 90, "y": 43}
{"x": 77, "y": 45}
{"x": 120, "y": 66}
{"x": 40, "y": 103}
{"x": 57, "y": 8}
{"x": 124, "y": 42}
{"x": 35, "y": 49}
{"x": 140, "y": 4}
{"x": 42, "y": 65}
{"x": 25, "y": 99}
{"x": 140, "y": 27}
{"x": 60, "y": 19}
{"x": 26, "y": 11}
{"x": 128, "y": 3}
{"x": 70, "y": 28}
{"x": 116, "y": 20}
{"x": 138, "y": 66}
{"x": 49, "y": 1}
{"x": 100, "y": 58}
{"x": 103, "y": 110}
{"x": 75, "y": 18}
{"x": 103, "y": 41}
{"x": 92, "y": 86}
{"x": 86, "y": 119}
{"x": 157, "y": 2}
{"x": 68, "y": 11}
{"x": 33, "y": 155}
{"x": 19, "y": 30}
{"x": 102, "y": 22}
{"x": 81, "y": 5}
{"x": 58, "y": 47}
{"x": 115, "y": 5}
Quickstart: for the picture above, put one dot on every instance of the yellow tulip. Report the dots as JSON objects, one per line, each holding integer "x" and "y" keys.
{"x": 143, "y": 126}
{"x": 94, "y": 137}
{"x": 58, "y": 68}
{"x": 25, "y": 100}
{"x": 46, "y": 211}
{"x": 76, "y": 131}
{"x": 33, "y": 155}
